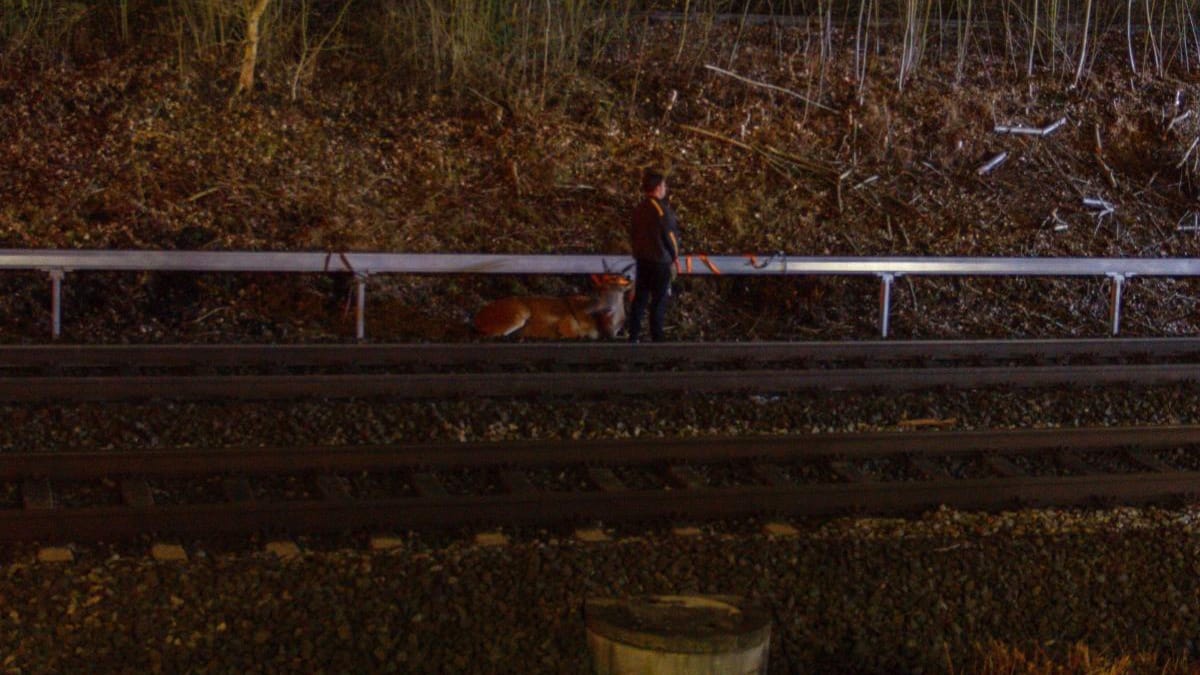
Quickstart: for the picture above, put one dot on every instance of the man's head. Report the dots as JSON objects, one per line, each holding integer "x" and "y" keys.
{"x": 654, "y": 183}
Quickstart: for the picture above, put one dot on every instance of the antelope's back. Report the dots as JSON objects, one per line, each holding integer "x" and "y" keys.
{"x": 559, "y": 318}
{"x": 501, "y": 317}
{"x": 538, "y": 317}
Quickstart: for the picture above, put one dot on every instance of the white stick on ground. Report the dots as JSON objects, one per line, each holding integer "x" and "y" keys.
{"x": 993, "y": 163}
{"x": 1188, "y": 153}
{"x": 789, "y": 92}
{"x": 1020, "y": 131}
{"x": 1051, "y": 128}
{"x": 1030, "y": 131}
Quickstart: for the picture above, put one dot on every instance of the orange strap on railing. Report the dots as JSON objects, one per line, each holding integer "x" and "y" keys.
{"x": 756, "y": 264}
{"x": 684, "y": 264}
{"x": 711, "y": 266}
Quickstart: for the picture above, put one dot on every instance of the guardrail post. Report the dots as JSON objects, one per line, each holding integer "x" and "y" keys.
{"x": 56, "y": 277}
{"x": 885, "y": 300}
{"x": 1114, "y": 310}
{"x": 360, "y": 310}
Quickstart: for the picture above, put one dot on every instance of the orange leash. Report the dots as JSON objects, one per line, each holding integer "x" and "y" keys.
{"x": 711, "y": 266}
{"x": 684, "y": 264}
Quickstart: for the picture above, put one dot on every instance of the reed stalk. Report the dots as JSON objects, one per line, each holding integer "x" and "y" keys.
{"x": 535, "y": 49}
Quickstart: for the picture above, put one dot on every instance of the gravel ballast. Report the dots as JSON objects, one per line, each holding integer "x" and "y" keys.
{"x": 863, "y": 595}
{"x": 125, "y": 426}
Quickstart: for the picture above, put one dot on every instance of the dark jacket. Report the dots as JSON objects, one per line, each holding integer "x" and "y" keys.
{"x": 654, "y": 232}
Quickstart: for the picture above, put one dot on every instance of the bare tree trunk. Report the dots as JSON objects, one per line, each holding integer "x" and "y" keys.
{"x": 250, "y": 55}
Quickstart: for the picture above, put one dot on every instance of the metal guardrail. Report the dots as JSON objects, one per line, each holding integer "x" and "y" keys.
{"x": 57, "y": 263}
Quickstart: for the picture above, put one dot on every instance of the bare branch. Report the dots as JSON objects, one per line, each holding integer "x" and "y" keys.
{"x": 772, "y": 87}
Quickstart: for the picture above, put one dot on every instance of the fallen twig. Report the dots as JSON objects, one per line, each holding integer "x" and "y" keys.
{"x": 1099, "y": 151}
{"x": 866, "y": 182}
{"x": 1019, "y": 131}
{"x": 789, "y": 92}
{"x": 1051, "y": 128}
{"x": 1060, "y": 225}
{"x": 207, "y": 314}
{"x": 778, "y": 159}
{"x": 1030, "y": 131}
{"x": 1105, "y": 208}
{"x": 806, "y": 164}
{"x": 1188, "y": 153}
{"x": 772, "y": 161}
{"x": 1178, "y": 118}
{"x": 203, "y": 193}
{"x": 992, "y": 163}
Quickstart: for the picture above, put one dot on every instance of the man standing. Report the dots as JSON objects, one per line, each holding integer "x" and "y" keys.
{"x": 654, "y": 235}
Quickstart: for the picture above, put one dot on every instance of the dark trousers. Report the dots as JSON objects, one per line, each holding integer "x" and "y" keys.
{"x": 653, "y": 285}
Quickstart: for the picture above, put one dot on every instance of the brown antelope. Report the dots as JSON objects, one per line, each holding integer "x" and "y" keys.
{"x": 575, "y": 316}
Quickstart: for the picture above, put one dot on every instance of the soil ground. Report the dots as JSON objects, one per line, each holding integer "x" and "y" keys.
{"x": 138, "y": 152}
{"x": 133, "y": 152}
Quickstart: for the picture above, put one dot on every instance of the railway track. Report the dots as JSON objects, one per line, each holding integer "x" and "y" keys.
{"x": 100, "y": 373}
{"x": 203, "y": 492}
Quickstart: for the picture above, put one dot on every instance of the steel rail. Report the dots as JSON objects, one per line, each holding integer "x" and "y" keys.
{"x": 370, "y": 355}
{"x": 85, "y": 465}
{"x": 322, "y": 516}
{"x": 1158, "y": 481}
{"x": 451, "y": 385}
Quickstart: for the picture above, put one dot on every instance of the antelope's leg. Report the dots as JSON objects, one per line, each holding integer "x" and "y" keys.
{"x": 568, "y": 327}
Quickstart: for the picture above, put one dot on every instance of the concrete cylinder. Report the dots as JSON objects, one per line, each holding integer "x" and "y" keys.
{"x": 678, "y": 635}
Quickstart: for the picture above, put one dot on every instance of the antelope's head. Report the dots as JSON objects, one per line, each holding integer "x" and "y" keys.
{"x": 609, "y": 305}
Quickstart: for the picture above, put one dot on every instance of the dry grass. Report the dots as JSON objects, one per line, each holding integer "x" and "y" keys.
{"x": 146, "y": 151}
{"x": 528, "y": 52}
{"x": 1003, "y": 659}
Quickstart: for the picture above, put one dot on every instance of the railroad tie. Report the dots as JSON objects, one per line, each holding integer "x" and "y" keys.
{"x": 427, "y": 485}
{"x": 847, "y": 472}
{"x": 36, "y": 493}
{"x": 927, "y": 469}
{"x": 135, "y": 492}
{"x": 686, "y": 477}
{"x": 771, "y": 474}
{"x": 517, "y": 483}
{"x": 164, "y": 552}
{"x": 1003, "y": 466}
{"x": 385, "y": 542}
{"x": 1074, "y": 463}
{"x": 282, "y": 548}
{"x": 55, "y": 554}
{"x": 238, "y": 490}
{"x": 780, "y": 529}
{"x": 591, "y": 535}
{"x": 605, "y": 479}
{"x": 490, "y": 539}
{"x": 334, "y": 488}
{"x": 1149, "y": 461}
